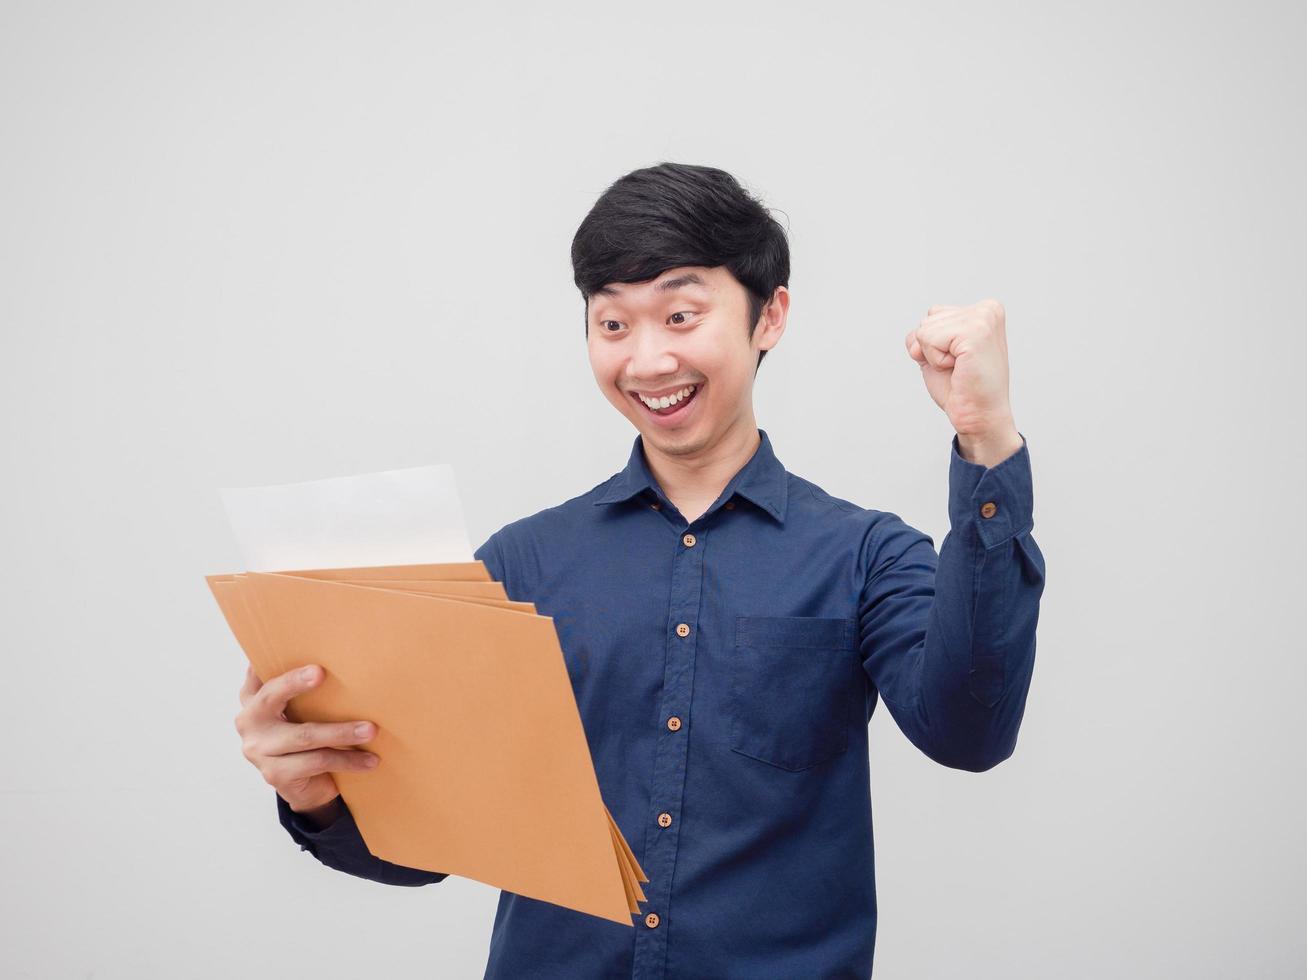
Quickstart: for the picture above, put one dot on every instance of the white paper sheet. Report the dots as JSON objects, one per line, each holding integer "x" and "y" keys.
{"x": 395, "y": 517}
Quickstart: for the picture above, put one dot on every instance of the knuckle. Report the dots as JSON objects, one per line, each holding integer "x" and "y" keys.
{"x": 264, "y": 697}
{"x": 250, "y": 748}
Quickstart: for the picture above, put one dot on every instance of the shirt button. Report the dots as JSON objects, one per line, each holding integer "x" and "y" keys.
{"x": 988, "y": 508}
{"x": 674, "y": 724}
{"x": 682, "y": 629}
{"x": 655, "y": 505}
{"x": 689, "y": 540}
{"x": 730, "y": 505}
{"x": 652, "y": 920}
{"x": 664, "y": 820}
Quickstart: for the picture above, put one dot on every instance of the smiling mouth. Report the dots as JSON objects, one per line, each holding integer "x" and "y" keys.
{"x": 669, "y": 404}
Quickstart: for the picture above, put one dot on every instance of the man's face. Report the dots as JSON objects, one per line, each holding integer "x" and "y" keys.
{"x": 685, "y": 329}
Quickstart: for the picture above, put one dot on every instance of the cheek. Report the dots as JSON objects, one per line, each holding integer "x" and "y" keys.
{"x": 606, "y": 371}
{"x": 600, "y": 366}
{"x": 714, "y": 363}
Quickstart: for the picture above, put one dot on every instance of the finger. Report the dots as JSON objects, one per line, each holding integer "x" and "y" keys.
{"x": 290, "y": 737}
{"x": 272, "y": 697}
{"x": 283, "y": 769}
{"x": 941, "y": 308}
{"x": 251, "y": 684}
{"x": 914, "y": 347}
{"x": 937, "y": 336}
{"x": 932, "y": 356}
{"x": 941, "y": 360}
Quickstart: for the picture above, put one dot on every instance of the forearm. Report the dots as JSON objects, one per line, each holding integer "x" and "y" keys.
{"x": 980, "y": 645}
{"x": 337, "y": 843}
{"x": 951, "y": 638}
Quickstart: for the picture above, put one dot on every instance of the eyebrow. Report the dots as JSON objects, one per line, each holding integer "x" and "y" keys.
{"x": 667, "y": 285}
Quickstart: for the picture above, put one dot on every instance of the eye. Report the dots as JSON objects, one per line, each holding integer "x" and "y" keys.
{"x": 682, "y": 313}
{"x": 604, "y": 324}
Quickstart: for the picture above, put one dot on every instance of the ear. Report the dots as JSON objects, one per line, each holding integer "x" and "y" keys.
{"x": 771, "y": 322}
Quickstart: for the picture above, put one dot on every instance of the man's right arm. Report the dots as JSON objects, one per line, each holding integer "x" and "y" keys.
{"x": 340, "y": 846}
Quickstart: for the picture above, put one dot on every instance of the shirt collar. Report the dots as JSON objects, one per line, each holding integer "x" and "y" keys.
{"x": 762, "y": 480}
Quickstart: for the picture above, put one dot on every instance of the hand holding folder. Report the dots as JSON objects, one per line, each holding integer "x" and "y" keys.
{"x": 486, "y": 772}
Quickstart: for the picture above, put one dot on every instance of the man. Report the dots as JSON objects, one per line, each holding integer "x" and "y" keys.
{"x": 728, "y": 626}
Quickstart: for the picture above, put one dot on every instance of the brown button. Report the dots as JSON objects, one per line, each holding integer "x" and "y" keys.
{"x": 682, "y": 629}
{"x": 664, "y": 820}
{"x": 689, "y": 540}
{"x": 651, "y": 920}
{"x": 730, "y": 505}
{"x": 674, "y": 724}
{"x": 655, "y": 505}
{"x": 988, "y": 508}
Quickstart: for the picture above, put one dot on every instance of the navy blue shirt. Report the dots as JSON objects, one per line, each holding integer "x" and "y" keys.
{"x": 726, "y": 671}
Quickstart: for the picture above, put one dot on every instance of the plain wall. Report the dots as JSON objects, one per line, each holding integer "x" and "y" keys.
{"x": 250, "y": 243}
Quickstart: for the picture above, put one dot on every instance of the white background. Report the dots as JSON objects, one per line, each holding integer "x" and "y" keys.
{"x": 250, "y": 243}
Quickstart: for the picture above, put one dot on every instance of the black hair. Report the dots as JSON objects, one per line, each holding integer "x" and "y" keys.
{"x": 676, "y": 214}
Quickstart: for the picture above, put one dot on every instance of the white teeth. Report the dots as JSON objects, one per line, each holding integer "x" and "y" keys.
{"x": 667, "y": 401}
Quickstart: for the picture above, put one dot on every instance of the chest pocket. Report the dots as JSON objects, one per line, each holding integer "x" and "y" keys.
{"x": 795, "y": 681}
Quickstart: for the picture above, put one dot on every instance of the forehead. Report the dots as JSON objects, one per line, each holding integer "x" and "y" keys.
{"x": 695, "y": 279}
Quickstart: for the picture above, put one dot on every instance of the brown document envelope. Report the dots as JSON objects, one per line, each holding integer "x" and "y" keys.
{"x": 631, "y": 871}
{"x": 463, "y": 787}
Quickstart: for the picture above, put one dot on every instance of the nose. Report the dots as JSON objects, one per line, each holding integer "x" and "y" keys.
{"x": 651, "y": 358}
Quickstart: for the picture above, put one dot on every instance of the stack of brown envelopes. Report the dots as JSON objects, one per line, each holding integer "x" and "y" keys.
{"x": 485, "y": 770}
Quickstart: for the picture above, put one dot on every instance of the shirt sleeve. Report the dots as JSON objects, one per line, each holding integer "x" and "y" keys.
{"x": 492, "y": 556}
{"x": 340, "y": 846}
{"x": 949, "y": 638}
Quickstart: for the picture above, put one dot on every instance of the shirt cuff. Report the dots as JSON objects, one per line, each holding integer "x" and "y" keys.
{"x": 309, "y": 839}
{"x": 998, "y": 500}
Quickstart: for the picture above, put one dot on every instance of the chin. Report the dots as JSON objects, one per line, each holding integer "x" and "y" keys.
{"x": 674, "y": 443}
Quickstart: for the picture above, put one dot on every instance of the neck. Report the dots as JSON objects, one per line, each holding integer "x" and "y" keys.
{"x": 694, "y": 480}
